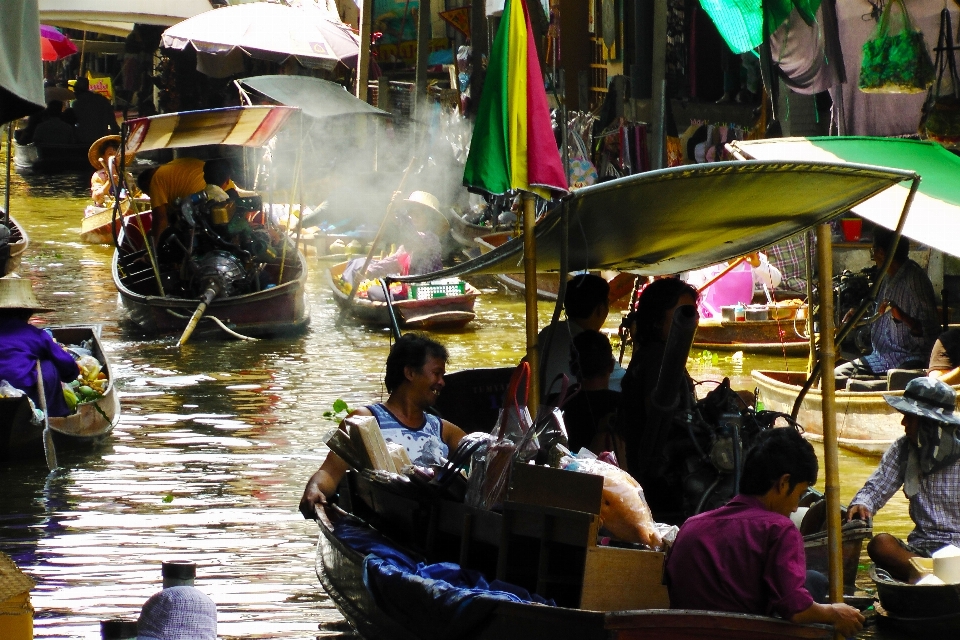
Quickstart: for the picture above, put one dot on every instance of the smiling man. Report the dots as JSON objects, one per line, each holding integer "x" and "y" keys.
{"x": 747, "y": 556}
{"x": 414, "y": 378}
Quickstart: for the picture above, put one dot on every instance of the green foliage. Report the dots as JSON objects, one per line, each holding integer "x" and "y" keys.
{"x": 338, "y": 412}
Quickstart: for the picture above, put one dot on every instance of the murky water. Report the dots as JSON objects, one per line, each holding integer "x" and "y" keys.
{"x": 213, "y": 447}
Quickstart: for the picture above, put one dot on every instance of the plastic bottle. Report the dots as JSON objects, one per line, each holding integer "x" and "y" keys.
{"x": 740, "y": 312}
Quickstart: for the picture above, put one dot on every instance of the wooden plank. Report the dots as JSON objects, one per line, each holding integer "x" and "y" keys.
{"x": 547, "y": 487}
{"x": 617, "y": 579}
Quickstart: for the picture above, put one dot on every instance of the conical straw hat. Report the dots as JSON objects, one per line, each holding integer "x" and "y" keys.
{"x": 93, "y": 154}
{"x": 17, "y": 293}
{"x": 13, "y": 582}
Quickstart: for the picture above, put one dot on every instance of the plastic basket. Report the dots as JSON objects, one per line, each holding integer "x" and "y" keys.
{"x": 437, "y": 289}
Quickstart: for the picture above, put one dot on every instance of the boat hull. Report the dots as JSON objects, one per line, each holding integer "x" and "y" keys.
{"x": 759, "y": 336}
{"x": 91, "y": 424}
{"x": 50, "y": 158}
{"x": 279, "y": 310}
{"x": 95, "y": 228}
{"x": 866, "y": 424}
{"x": 450, "y": 312}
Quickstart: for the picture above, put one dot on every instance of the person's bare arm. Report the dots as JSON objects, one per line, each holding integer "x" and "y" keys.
{"x": 843, "y": 617}
{"x": 323, "y": 483}
{"x": 950, "y": 377}
{"x": 452, "y": 435}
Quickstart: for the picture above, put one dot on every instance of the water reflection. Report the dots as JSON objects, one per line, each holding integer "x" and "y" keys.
{"x": 213, "y": 447}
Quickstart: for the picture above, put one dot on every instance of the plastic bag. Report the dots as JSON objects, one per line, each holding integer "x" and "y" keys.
{"x": 895, "y": 63}
{"x": 514, "y": 441}
{"x": 941, "y": 112}
{"x": 623, "y": 508}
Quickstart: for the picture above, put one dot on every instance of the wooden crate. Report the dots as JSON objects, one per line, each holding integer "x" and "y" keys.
{"x": 623, "y": 579}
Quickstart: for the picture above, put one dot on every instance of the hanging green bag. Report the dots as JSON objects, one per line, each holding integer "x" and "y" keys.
{"x": 895, "y": 63}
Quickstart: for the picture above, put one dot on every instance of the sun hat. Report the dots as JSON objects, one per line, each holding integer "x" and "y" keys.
{"x": 928, "y": 398}
{"x": 17, "y": 293}
{"x": 428, "y": 203}
{"x": 178, "y": 613}
{"x": 93, "y": 154}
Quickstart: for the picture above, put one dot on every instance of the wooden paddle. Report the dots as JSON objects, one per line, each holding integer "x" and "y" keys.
{"x": 733, "y": 265}
{"x": 49, "y": 451}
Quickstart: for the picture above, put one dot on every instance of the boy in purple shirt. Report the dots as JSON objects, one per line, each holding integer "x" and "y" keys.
{"x": 747, "y": 556}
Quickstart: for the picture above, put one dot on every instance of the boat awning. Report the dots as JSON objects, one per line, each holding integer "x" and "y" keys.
{"x": 243, "y": 126}
{"x": 673, "y": 220}
{"x": 21, "y": 70}
{"x": 935, "y": 213}
{"x": 117, "y": 18}
{"x": 315, "y": 97}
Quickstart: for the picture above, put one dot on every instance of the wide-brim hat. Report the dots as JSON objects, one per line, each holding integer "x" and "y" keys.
{"x": 927, "y": 398}
{"x": 429, "y": 204}
{"x": 93, "y": 154}
{"x": 17, "y": 293}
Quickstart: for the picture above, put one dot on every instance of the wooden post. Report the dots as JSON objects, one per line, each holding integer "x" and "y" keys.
{"x": 831, "y": 458}
{"x": 363, "y": 59}
{"x": 530, "y": 284}
{"x": 424, "y": 31}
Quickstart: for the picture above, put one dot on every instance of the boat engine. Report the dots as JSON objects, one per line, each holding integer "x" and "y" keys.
{"x": 850, "y": 288}
{"x": 219, "y": 272}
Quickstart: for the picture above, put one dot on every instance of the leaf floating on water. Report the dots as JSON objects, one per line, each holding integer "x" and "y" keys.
{"x": 168, "y": 498}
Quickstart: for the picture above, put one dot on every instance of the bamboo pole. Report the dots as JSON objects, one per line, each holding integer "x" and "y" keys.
{"x": 730, "y": 267}
{"x": 831, "y": 459}
{"x": 424, "y": 32}
{"x": 807, "y": 246}
{"x": 6, "y": 193}
{"x": 363, "y": 59}
{"x": 530, "y": 285}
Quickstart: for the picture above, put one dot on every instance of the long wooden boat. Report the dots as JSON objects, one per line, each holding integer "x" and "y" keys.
{"x": 865, "y": 422}
{"x": 91, "y": 424}
{"x": 928, "y": 611}
{"x": 18, "y": 244}
{"x": 450, "y": 312}
{"x": 340, "y": 569}
{"x": 95, "y": 226}
{"x": 753, "y": 336}
{"x": 50, "y": 158}
{"x": 466, "y": 233}
{"x": 280, "y": 309}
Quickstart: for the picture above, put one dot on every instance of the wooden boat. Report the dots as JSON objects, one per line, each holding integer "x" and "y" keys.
{"x": 865, "y": 422}
{"x": 91, "y": 424}
{"x": 95, "y": 226}
{"x": 18, "y": 244}
{"x": 50, "y": 158}
{"x": 466, "y": 233}
{"x": 280, "y": 309}
{"x": 756, "y": 336}
{"x": 928, "y": 611}
{"x": 449, "y": 312}
{"x": 341, "y": 572}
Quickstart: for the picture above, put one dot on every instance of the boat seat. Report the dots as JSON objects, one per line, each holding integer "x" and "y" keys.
{"x": 897, "y": 379}
{"x": 867, "y": 383}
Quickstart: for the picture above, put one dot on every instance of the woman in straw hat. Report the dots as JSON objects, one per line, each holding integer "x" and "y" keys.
{"x": 926, "y": 463}
{"x": 101, "y": 185}
{"x": 22, "y": 345}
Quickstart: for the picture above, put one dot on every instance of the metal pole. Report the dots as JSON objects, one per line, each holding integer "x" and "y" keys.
{"x": 6, "y": 195}
{"x": 423, "y": 52}
{"x": 363, "y": 59}
{"x": 530, "y": 283}
{"x": 831, "y": 459}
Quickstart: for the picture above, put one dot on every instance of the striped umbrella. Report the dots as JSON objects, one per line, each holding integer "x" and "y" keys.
{"x": 513, "y": 146}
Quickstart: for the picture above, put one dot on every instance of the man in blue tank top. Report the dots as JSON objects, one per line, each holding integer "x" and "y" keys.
{"x": 414, "y": 378}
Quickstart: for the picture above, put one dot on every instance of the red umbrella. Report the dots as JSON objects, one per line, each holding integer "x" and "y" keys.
{"x": 54, "y": 45}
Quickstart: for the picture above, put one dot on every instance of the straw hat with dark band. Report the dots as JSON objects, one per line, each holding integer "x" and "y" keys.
{"x": 428, "y": 203}
{"x": 17, "y": 293}
{"x": 93, "y": 155}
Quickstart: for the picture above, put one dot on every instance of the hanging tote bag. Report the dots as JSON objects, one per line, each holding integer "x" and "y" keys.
{"x": 895, "y": 62}
{"x": 941, "y": 112}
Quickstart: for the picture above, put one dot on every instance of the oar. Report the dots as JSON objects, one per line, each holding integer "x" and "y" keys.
{"x": 49, "y": 452}
{"x": 205, "y": 300}
{"x": 733, "y": 265}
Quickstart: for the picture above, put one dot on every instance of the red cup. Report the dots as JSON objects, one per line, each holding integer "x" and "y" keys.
{"x": 851, "y": 229}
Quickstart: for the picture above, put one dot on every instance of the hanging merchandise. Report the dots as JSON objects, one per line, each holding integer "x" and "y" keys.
{"x": 941, "y": 112}
{"x": 895, "y": 62}
{"x": 582, "y": 173}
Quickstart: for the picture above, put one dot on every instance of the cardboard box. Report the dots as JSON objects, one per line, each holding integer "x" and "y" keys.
{"x": 617, "y": 579}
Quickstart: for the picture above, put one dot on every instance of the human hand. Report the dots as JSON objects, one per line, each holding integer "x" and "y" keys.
{"x": 847, "y": 620}
{"x": 311, "y": 499}
{"x": 858, "y": 512}
{"x": 753, "y": 259}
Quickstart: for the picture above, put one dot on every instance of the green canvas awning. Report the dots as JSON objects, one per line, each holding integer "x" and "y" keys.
{"x": 673, "y": 220}
{"x": 741, "y": 22}
{"x": 935, "y": 214}
{"x": 315, "y": 97}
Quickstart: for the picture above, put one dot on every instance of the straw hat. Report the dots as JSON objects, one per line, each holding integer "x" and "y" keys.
{"x": 93, "y": 155}
{"x": 927, "y": 398}
{"x": 429, "y": 204}
{"x": 17, "y": 293}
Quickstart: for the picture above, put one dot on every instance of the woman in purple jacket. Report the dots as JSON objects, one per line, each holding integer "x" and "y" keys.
{"x": 22, "y": 345}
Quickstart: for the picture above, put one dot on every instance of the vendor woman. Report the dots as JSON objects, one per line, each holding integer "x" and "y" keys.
{"x": 22, "y": 345}
{"x": 414, "y": 378}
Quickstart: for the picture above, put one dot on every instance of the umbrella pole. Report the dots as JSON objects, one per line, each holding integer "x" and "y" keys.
{"x": 831, "y": 459}
{"x": 530, "y": 285}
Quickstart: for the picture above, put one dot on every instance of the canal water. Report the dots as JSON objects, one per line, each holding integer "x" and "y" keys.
{"x": 213, "y": 447}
